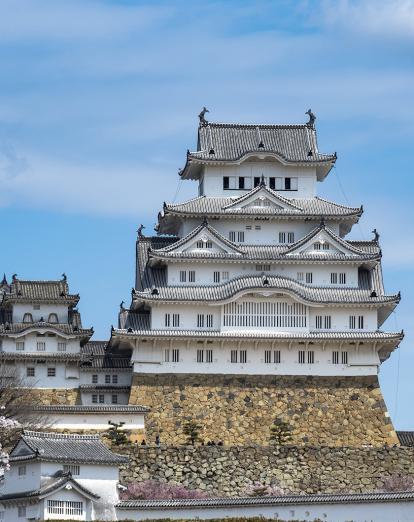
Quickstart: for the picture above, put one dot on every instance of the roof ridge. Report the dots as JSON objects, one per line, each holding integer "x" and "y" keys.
{"x": 340, "y": 205}
{"x": 50, "y": 435}
{"x": 254, "y": 125}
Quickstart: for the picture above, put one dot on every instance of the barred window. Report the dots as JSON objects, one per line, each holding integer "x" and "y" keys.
{"x": 225, "y": 276}
{"x": 114, "y": 399}
{"x": 326, "y": 246}
{"x": 233, "y": 356}
{"x": 282, "y": 237}
{"x": 335, "y": 357}
{"x": 101, "y": 398}
{"x": 64, "y": 507}
{"x": 263, "y": 268}
{"x": 243, "y": 356}
{"x": 94, "y": 399}
{"x": 209, "y": 320}
{"x": 107, "y": 379}
{"x": 41, "y": 346}
{"x": 115, "y": 379}
{"x": 30, "y": 372}
{"x": 317, "y": 246}
{"x": 301, "y": 357}
{"x": 167, "y": 319}
{"x": 232, "y": 236}
{"x": 311, "y": 357}
{"x": 361, "y": 322}
{"x": 175, "y": 355}
{"x": 74, "y": 469}
{"x": 342, "y": 278}
{"x": 200, "y": 356}
{"x": 21, "y": 511}
{"x": 334, "y": 278}
{"x": 51, "y": 372}
{"x": 216, "y": 277}
{"x": 290, "y": 237}
{"x": 167, "y": 355}
{"x": 318, "y": 322}
{"x": 183, "y": 276}
{"x": 209, "y": 356}
{"x": 327, "y": 322}
{"x": 268, "y": 356}
{"x": 61, "y": 347}
{"x": 240, "y": 237}
{"x": 299, "y": 276}
{"x": 344, "y": 357}
{"x": 176, "y": 320}
{"x": 94, "y": 379}
{"x": 309, "y": 277}
{"x": 272, "y": 356}
{"x": 191, "y": 276}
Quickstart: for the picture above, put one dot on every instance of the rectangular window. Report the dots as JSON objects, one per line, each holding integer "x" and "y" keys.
{"x": 272, "y": 183}
{"x": 114, "y": 399}
{"x": 327, "y": 322}
{"x": 101, "y": 399}
{"x": 243, "y": 356}
{"x": 225, "y": 182}
{"x": 65, "y": 507}
{"x": 309, "y": 277}
{"x": 175, "y": 355}
{"x": 183, "y": 276}
{"x": 241, "y": 182}
{"x": 291, "y": 183}
{"x": 167, "y": 319}
{"x": 279, "y": 183}
{"x": 256, "y": 181}
{"x": 209, "y": 320}
{"x": 352, "y": 322}
{"x": 318, "y": 322}
{"x": 301, "y": 357}
{"x": 114, "y": 379}
{"x": 276, "y": 356}
{"x": 317, "y": 246}
{"x": 74, "y": 469}
{"x": 209, "y": 356}
{"x": 258, "y": 227}
{"x": 51, "y": 372}
{"x": 94, "y": 399}
{"x": 191, "y": 276}
{"x": 299, "y": 276}
{"x": 20, "y": 346}
{"x": 360, "y": 322}
{"x": 268, "y": 356}
{"x": 225, "y": 276}
{"x": 200, "y": 356}
{"x": 30, "y": 372}
{"x": 94, "y": 379}
{"x": 282, "y": 237}
{"x": 287, "y": 183}
{"x": 248, "y": 227}
{"x": 200, "y": 320}
{"x": 176, "y": 320}
{"x": 61, "y": 347}
{"x": 216, "y": 277}
{"x": 311, "y": 357}
{"x": 233, "y": 356}
{"x": 240, "y": 237}
{"x": 200, "y": 244}
{"x": 326, "y": 246}
{"x": 232, "y": 236}
{"x": 107, "y": 379}
{"x": 232, "y": 182}
{"x": 36, "y": 307}
{"x": 21, "y": 470}
{"x": 21, "y": 511}
{"x": 290, "y": 237}
{"x": 334, "y": 278}
{"x": 335, "y": 357}
{"x": 41, "y": 347}
{"x": 342, "y": 278}
{"x": 344, "y": 357}
{"x": 167, "y": 355}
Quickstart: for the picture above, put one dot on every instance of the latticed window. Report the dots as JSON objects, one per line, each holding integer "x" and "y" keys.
{"x": 290, "y": 237}
{"x": 309, "y": 277}
{"x": 28, "y": 318}
{"x": 265, "y": 314}
{"x": 176, "y": 320}
{"x": 65, "y": 507}
{"x": 20, "y": 346}
{"x": 175, "y": 355}
{"x": 167, "y": 319}
{"x": 243, "y": 356}
{"x": 209, "y": 356}
{"x": 232, "y": 236}
{"x": 216, "y": 277}
{"x": 263, "y": 268}
{"x": 311, "y": 357}
{"x": 30, "y": 372}
{"x": 94, "y": 379}
{"x": 74, "y": 469}
{"x": 183, "y": 276}
{"x": 272, "y": 356}
{"x": 356, "y": 322}
{"x": 191, "y": 276}
{"x": 61, "y": 347}
{"x": 41, "y": 346}
{"x": 107, "y": 379}
{"x": 240, "y": 237}
{"x": 51, "y": 372}
{"x": 301, "y": 356}
{"x": 200, "y": 356}
{"x": 344, "y": 357}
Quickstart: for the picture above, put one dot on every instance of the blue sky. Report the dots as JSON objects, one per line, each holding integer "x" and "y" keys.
{"x": 99, "y": 103}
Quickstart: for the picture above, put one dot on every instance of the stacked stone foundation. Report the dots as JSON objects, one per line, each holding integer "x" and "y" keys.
{"x": 56, "y": 397}
{"x": 240, "y": 410}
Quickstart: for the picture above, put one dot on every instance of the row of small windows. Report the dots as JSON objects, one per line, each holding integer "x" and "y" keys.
{"x": 187, "y": 275}
{"x": 203, "y": 320}
{"x": 64, "y": 507}
{"x": 335, "y": 277}
{"x": 270, "y": 356}
{"x": 99, "y": 398}
{"x": 321, "y": 246}
{"x": 324, "y": 322}
{"x": 204, "y": 244}
{"x": 108, "y": 379}
{"x": 74, "y": 469}
{"x": 284, "y": 237}
{"x": 172, "y": 320}
{"x": 31, "y": 371}
{"x": 247, "y": 183}
{"x": 40, "y": 346}
{"x": 28, "y": 318}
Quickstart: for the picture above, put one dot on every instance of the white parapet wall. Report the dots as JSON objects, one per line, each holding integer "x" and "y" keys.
{"x": 375, "y": 507}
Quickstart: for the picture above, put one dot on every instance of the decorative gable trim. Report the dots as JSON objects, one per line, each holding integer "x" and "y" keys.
{"x": 261, "y": 191}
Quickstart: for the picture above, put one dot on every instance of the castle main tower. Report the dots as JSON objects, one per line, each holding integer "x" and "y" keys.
{"x": 250, "y": 305}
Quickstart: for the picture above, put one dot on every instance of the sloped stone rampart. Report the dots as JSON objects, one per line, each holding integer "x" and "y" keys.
{"x": 237, "y": 410}
{"x": 227, "y": 471}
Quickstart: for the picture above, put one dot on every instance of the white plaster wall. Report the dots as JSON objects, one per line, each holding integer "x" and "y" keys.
{"x": 361, "y": 361}
{"x": 188, "y": 317}
{"x": 124, "y": 377}
{"x": 14, "y": 484}
{"x": 267, "y": 235}
{"x": 213, "y": 177}
{"x": 33, "y": 512}
{"x": 358, "y": 512}
{"x": 86, "y": 397}
{"x": 41, "y": 379}
{"x": 70, "y": 495}
{"x": 51, "y": 340}
{"x": 204, "y": 272}
{"x": 95, "y": 421}
{"x": 19, "y": 309}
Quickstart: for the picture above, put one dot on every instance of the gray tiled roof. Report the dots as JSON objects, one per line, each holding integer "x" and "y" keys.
{"x": 49, "y": 356}
{"x": 64, "y": 448}
{"x": 40, "y": 291}
{"x": 240, "y": 502}
{"x": 49, "y": 487}
{"x": 80, "y": 408}
{"x": 66, "y": 329}
{"x": 104, "y": 387}
{"x": 368, "y": 250}
{"x": 406, "y": 438}
{"x": 307, "y": 207}
{"x": 222, "y": 292}
{"x": 226, "y": 142}
{"x": 97, "y": 356}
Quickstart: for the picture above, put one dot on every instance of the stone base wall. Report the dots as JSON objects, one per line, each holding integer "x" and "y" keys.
{"x": 49, "y": 396}
{"x": 227, "y": 471}
{"x": 237, "y": 410}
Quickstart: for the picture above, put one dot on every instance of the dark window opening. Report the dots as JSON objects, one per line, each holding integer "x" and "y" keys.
{"x": 272, "y": 183}
{"x": 256, "y": 181}
{"x": 287, "y": 183}
{"x": 225, "y": 182}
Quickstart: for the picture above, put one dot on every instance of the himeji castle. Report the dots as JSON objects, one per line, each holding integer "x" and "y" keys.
{"x": 250, "y": 302}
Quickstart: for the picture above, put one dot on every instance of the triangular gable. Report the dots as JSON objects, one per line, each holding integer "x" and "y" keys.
{"x": 262, "y": 197}
{"x": 204, "y": 234}
{"x": 22, "y": 449}
{"x": 322, "y": 241}
{"x": 70, "y": 484}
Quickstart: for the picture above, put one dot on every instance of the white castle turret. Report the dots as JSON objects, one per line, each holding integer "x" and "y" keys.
{"x": 254, "y": 277}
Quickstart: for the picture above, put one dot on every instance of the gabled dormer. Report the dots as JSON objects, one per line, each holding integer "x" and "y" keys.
{"x": 323, "y": 242}
{"x": 202, "y": 241}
